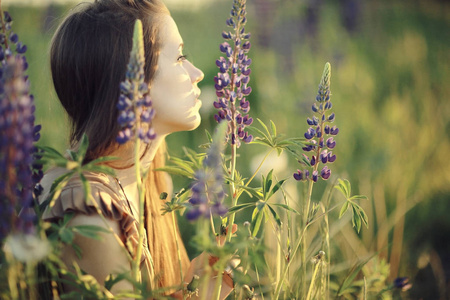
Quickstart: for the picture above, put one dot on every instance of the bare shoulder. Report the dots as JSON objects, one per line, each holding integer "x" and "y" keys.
{"x": 99, "y": 257}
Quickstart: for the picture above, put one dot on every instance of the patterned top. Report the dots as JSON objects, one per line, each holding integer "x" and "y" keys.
{"x": 106, "y": 198}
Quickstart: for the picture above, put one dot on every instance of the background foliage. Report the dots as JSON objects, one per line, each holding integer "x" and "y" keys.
{"x": 390, "y": 88}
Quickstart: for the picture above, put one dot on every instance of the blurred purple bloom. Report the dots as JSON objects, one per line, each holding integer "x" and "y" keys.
{"x": 207, "y": 189}
{"x": 231, "y": 83}
{"x": 318, "y": 134}
{"x": 19, "y": 174}
{"x": 134, "y": 104}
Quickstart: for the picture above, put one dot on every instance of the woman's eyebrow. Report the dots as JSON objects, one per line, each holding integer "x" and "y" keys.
{"x": 180, "y": 47}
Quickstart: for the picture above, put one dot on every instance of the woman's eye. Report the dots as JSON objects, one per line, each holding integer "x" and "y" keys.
{"x": 182, "y": 58}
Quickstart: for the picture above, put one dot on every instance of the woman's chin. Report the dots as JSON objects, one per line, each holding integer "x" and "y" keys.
{"x": 167, "y": 128}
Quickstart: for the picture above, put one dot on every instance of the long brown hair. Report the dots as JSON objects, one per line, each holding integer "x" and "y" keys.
{"x": 88, "y": 58}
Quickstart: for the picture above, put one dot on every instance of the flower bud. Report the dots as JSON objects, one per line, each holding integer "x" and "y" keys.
{"x": 325, "y": 173}
{"x": 331, "y": 117}
{"x": 331, "y": 143}
{"x": 315, "y": 176}
{"x": 298, "y": 176}
{"x": 334, "y": 130}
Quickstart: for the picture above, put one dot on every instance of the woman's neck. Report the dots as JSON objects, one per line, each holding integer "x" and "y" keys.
{"x": 125, "y": 167}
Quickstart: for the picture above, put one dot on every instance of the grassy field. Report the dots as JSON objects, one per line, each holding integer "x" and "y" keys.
{"x": 390, "y": 87}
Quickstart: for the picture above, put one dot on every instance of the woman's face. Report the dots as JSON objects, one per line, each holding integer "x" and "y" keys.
{"x": 174, "y": 90}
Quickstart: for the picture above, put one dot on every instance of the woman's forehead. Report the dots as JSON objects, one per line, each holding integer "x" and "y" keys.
{"x": 169, "y": 35}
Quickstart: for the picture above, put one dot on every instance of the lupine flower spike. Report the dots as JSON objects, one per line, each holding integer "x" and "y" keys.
{"x": 231, "y": 82}
{"x": 134, "y": 105}
{"x": 18, "y": 178}
{"x": 207, "y": 189}
{"x": 320, "y": 134}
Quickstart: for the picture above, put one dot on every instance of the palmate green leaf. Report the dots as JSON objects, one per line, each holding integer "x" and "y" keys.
{"x": 286, "y": 207}
{"x": 265, "y": 128}
{"x": 358, "y": 197}
{"x": 86, "y": 187}
{"x": 186, "y": 165}
{"x": 256, "y": 221}
{"x": 55, "y": 190}
{"x": 361, "y": 214}
{"x": 50, "y": 152}
{"x": 252, "y": 192}
{"x": 344, "y": 187}
{"x": 275, "y": 215}
{"x": 100, "y": 169}
{"x": 260, "y": 204}
{"x": 267, "y": 183}
{"x": 208, "y": 136}
{"x": 274, "y": 128}
{"x": 344, "y": 208}
{"x": 89, "y": 231}
{"x": 239, "y": 207}
{"x": 84, "y": 144}
{"x": 258, "y": 134}
{"x": 175, "y": 171}
{"x": 194, "y": 157}
{"x": 261, "y": 142}
{"x": 356, "y": 220}
{"x": 102, "y": 160}
{"x": 66, "y": 235}
{"x": 72, "y": 155}
{"x": 276, "y": 187}
{"x": 111, "y": 280}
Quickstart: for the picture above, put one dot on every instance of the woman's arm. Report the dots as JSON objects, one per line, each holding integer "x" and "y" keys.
{"x": 99, "y": 258}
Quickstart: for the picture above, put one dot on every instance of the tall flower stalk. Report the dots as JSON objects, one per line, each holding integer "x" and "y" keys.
{"x": 231, "y": 84}
{"x": 135, "y": 116}
{"x": 320, "y": 135}
{"x": 320, "y": 138}
{"x": 19, "y": 172}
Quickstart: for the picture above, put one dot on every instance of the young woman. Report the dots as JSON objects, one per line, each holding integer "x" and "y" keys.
{"x": 89, "y": 55}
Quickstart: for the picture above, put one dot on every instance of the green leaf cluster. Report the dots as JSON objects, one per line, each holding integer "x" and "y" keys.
{"x": 270, "y": 137}
{"x": 359, "y": 216}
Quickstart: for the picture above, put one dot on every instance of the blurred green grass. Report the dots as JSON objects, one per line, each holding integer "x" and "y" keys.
{"x": 390, "y": 87}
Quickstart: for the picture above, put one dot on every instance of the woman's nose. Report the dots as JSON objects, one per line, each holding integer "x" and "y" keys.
{"x": 196, "y": 74}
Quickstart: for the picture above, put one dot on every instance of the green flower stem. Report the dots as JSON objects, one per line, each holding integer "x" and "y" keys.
{"x": 232, "y": 189}
{"x": 218, "y": 284}
{"x": 202, "y": 229}
{"x": 30, "y": 277}
{"x": 279, "y": 257}
{"x": 259, "y": 167}
{"x": 286, "y": 268}
{"x": 259, "y": 281}
{"x": 137, "y": 163}
{"x": 12, "y": 275}
{"x": 304, "y": 236}
{"x": 306, "y": 211}
{"x": 283, "y": 276}
{"x": 311, "y": 285}
{"x": 234, "y": 146}
{"x": 178, "y": 247}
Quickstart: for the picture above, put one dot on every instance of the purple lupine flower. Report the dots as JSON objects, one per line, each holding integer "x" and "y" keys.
{"x": 134, "y": 103}
{"x": 18, "y": 172}
{"x": 231, "y": 83}
{"x": 320, "y": 134}
{"x": 207, "y": 189}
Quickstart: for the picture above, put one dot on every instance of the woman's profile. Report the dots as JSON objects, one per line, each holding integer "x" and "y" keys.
{"x": 89, "y": 56}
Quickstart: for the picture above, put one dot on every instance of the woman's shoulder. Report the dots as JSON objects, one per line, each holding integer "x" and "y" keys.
{"x": 100, "y": 194}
